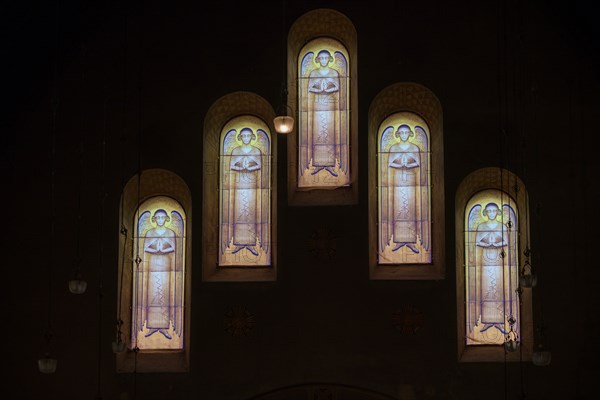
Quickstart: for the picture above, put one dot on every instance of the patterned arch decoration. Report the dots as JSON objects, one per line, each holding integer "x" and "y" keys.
{"x": 491, "y": 236}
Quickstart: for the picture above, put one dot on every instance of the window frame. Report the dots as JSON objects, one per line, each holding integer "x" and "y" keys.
{"x": 417, "y": 99}
{"x": 511, "y": 184}
{"x": 222, "y": 111}
{"x": 312, "y": 25}
{"x": 151, "y": 183}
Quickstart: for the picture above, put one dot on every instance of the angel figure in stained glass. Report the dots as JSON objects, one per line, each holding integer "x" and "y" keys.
{"x": 245, "y": 197}
{"x": 159, "y": 280}
{"x": 404, "y": 194}
{"x": 492, "y": 265}
{"x": 324, "y": 119}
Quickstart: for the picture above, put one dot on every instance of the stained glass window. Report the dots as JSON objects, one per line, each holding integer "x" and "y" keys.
{"x": 491, "y": 268}
{"x": 245, "y": 193}
{"x": 404, "y": 222}
{"x": 323, "y": 103}
{"x": 158, "y": 275}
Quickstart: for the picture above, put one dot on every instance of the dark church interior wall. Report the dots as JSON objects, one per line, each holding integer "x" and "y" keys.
{"x": 143, "y": 76}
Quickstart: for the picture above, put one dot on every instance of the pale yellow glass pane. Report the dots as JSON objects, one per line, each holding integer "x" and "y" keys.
{"x": 245, "y": 193}
{"x": 491, "y": 238}
{"x": 323, "y": 111}
{"x": 404, "y": 195}
{"x": 158, "y": 275}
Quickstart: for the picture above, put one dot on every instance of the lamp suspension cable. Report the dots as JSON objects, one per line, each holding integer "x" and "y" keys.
{"x": 77, "y": 285}
{"x": 101, "y": 237}
{"x": 138, "y": 259}
{"x": 47, "y": 364}
{"x": 119, "y": 344}
{"x": 284, "y": 122}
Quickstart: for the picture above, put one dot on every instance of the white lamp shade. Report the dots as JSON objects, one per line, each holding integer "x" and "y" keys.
{"x": 541, "y": 358}
{"x": 118, "y": 347}
{"x": 511, "y": 345}
{"x": 283, "y": 124}
{"x": 77, "y": 286}
{"x": 47, "y": 365}
{"x": 528, "y": 280}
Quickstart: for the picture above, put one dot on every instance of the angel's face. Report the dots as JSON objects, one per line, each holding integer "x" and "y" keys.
{"x": 246, "y": 137}
{"x": 492, "y": 212}
{"x": 323, "y": 59}
{"x": 404, "y": 133}
{"x": 160, "y": 218}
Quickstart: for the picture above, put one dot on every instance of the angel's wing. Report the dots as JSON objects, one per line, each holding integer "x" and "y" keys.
{"x": 473, "y": 220}
{"x": 422, "y": 141}
{"x": 387, "y": 139}
{"x": 307, "y": 64}
{"x": 177, "y": 225}
{"x": 385, "y": 206}
{"x": 509, "y": 219}
{"x": 305, "y": 112}
{"x": 144, "y": 224}
{"x": 341, "y": 66}
{"x": 229, "y": 143}
{"x": 263, "y": 142}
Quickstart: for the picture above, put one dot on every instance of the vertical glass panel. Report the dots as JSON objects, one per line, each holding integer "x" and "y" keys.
{"x": 491, "y": 234}
{"x": 158, "y": 274}
{"x": 323, "y": 101}
{"x": 404, "y": 214}
{"x": 245, "y": 193}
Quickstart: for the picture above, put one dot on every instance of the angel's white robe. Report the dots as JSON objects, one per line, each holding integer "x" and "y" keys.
{"x": 494, "y": 277}
{"x": 405, "y": 193}
{"x": 325, "y": 125}
{"x": 159, "y": 267}
{"x": 245, "y": 185}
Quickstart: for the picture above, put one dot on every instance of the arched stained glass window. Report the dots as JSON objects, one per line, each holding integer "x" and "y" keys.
{"x": 491, "y": 268}
{"x": 323, "y": 108}
{"x": 245, "y": 193}
{"x": 159, "y": 275}
{"x": 404, "y": 184}
{"x": 239, "y": 190}
{"x": 491, "y": 238}
{"x": 154, "y": 269}
{"x": 322, "y": 87}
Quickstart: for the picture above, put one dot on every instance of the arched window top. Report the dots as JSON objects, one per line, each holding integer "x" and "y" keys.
{"x": 155, "y": 266}
{"x": 406, "y": 184}
{"x": 233, "y": 169}
{"x": 491, "y": 235}
{"x": 322, "y": 87}
{"x": 322, "y": 22}
{"x": 407, "y": 96}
